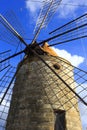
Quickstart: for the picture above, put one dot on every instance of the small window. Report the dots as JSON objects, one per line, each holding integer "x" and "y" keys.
{"x": 60, "y": 121}
{"x": 56, "y": 66}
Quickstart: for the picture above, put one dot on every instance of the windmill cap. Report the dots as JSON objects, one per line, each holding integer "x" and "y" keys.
{"x": 50, "y": 51}
{"x": 45, "y": 47}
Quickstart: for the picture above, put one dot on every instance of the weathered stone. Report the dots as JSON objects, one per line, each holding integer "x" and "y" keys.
{"x": 36, "y": 87}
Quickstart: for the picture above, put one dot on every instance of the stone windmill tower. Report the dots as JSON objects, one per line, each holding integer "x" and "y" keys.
{"x": 34, "y": 103}
{"x": 44, "y": 95}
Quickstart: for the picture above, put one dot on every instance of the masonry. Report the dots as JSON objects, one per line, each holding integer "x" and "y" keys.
{"x": 32, "y": 107}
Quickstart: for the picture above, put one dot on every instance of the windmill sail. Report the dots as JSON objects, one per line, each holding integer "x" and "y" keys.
{"x": 78, "y": 78}
{"x": 15, "y": 22}
{"x": 74, "y": 23}
{"x": 8, "y": 33}
{"x": 73, "y": 30}
{"x": 4, "y": 107}
{"x": 47, "y": 11}
{"x": 5, "y": 64}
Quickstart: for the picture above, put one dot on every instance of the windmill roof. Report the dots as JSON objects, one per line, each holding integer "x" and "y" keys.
{"x": 49, "y": 50}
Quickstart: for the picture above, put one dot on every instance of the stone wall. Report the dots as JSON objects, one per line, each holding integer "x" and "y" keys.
{"x": 36, "y": 95}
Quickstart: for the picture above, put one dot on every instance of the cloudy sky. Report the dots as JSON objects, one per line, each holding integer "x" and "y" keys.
{"x": 66, "y": 9}
{"x": 28, "y": 10}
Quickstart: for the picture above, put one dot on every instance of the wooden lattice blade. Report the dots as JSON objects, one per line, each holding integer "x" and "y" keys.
{"x": 12, "y": 56}
{"x": 5, "y": 79}
{"x": 73, "y": 23}
{"x": 15, "y": 22}
{"x": 71, "y": 82}
{"x": 8, "y": 33}
{"x": 74, "y": 30}
{"x": 46, "y": 13}
{"x": 6, "y": 63}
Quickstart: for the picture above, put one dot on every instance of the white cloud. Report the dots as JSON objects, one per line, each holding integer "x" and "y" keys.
{"x": 66, "y": 8}
{"x": 74, "y": 59}
{"x": 69, "y": 7}
{"x": 33, "y": 7}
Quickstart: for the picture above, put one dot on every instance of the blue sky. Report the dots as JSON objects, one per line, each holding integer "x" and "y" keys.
{"x": 27, "y": 11}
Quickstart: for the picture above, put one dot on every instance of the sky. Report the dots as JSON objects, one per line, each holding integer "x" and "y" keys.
{"x": 27, "y": 12}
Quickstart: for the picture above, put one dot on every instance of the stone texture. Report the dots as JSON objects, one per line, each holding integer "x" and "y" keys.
{"x": 37, "y": 92}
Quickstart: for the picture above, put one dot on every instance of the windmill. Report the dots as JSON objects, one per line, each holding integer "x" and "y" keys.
{"x": 43, "y": 89}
